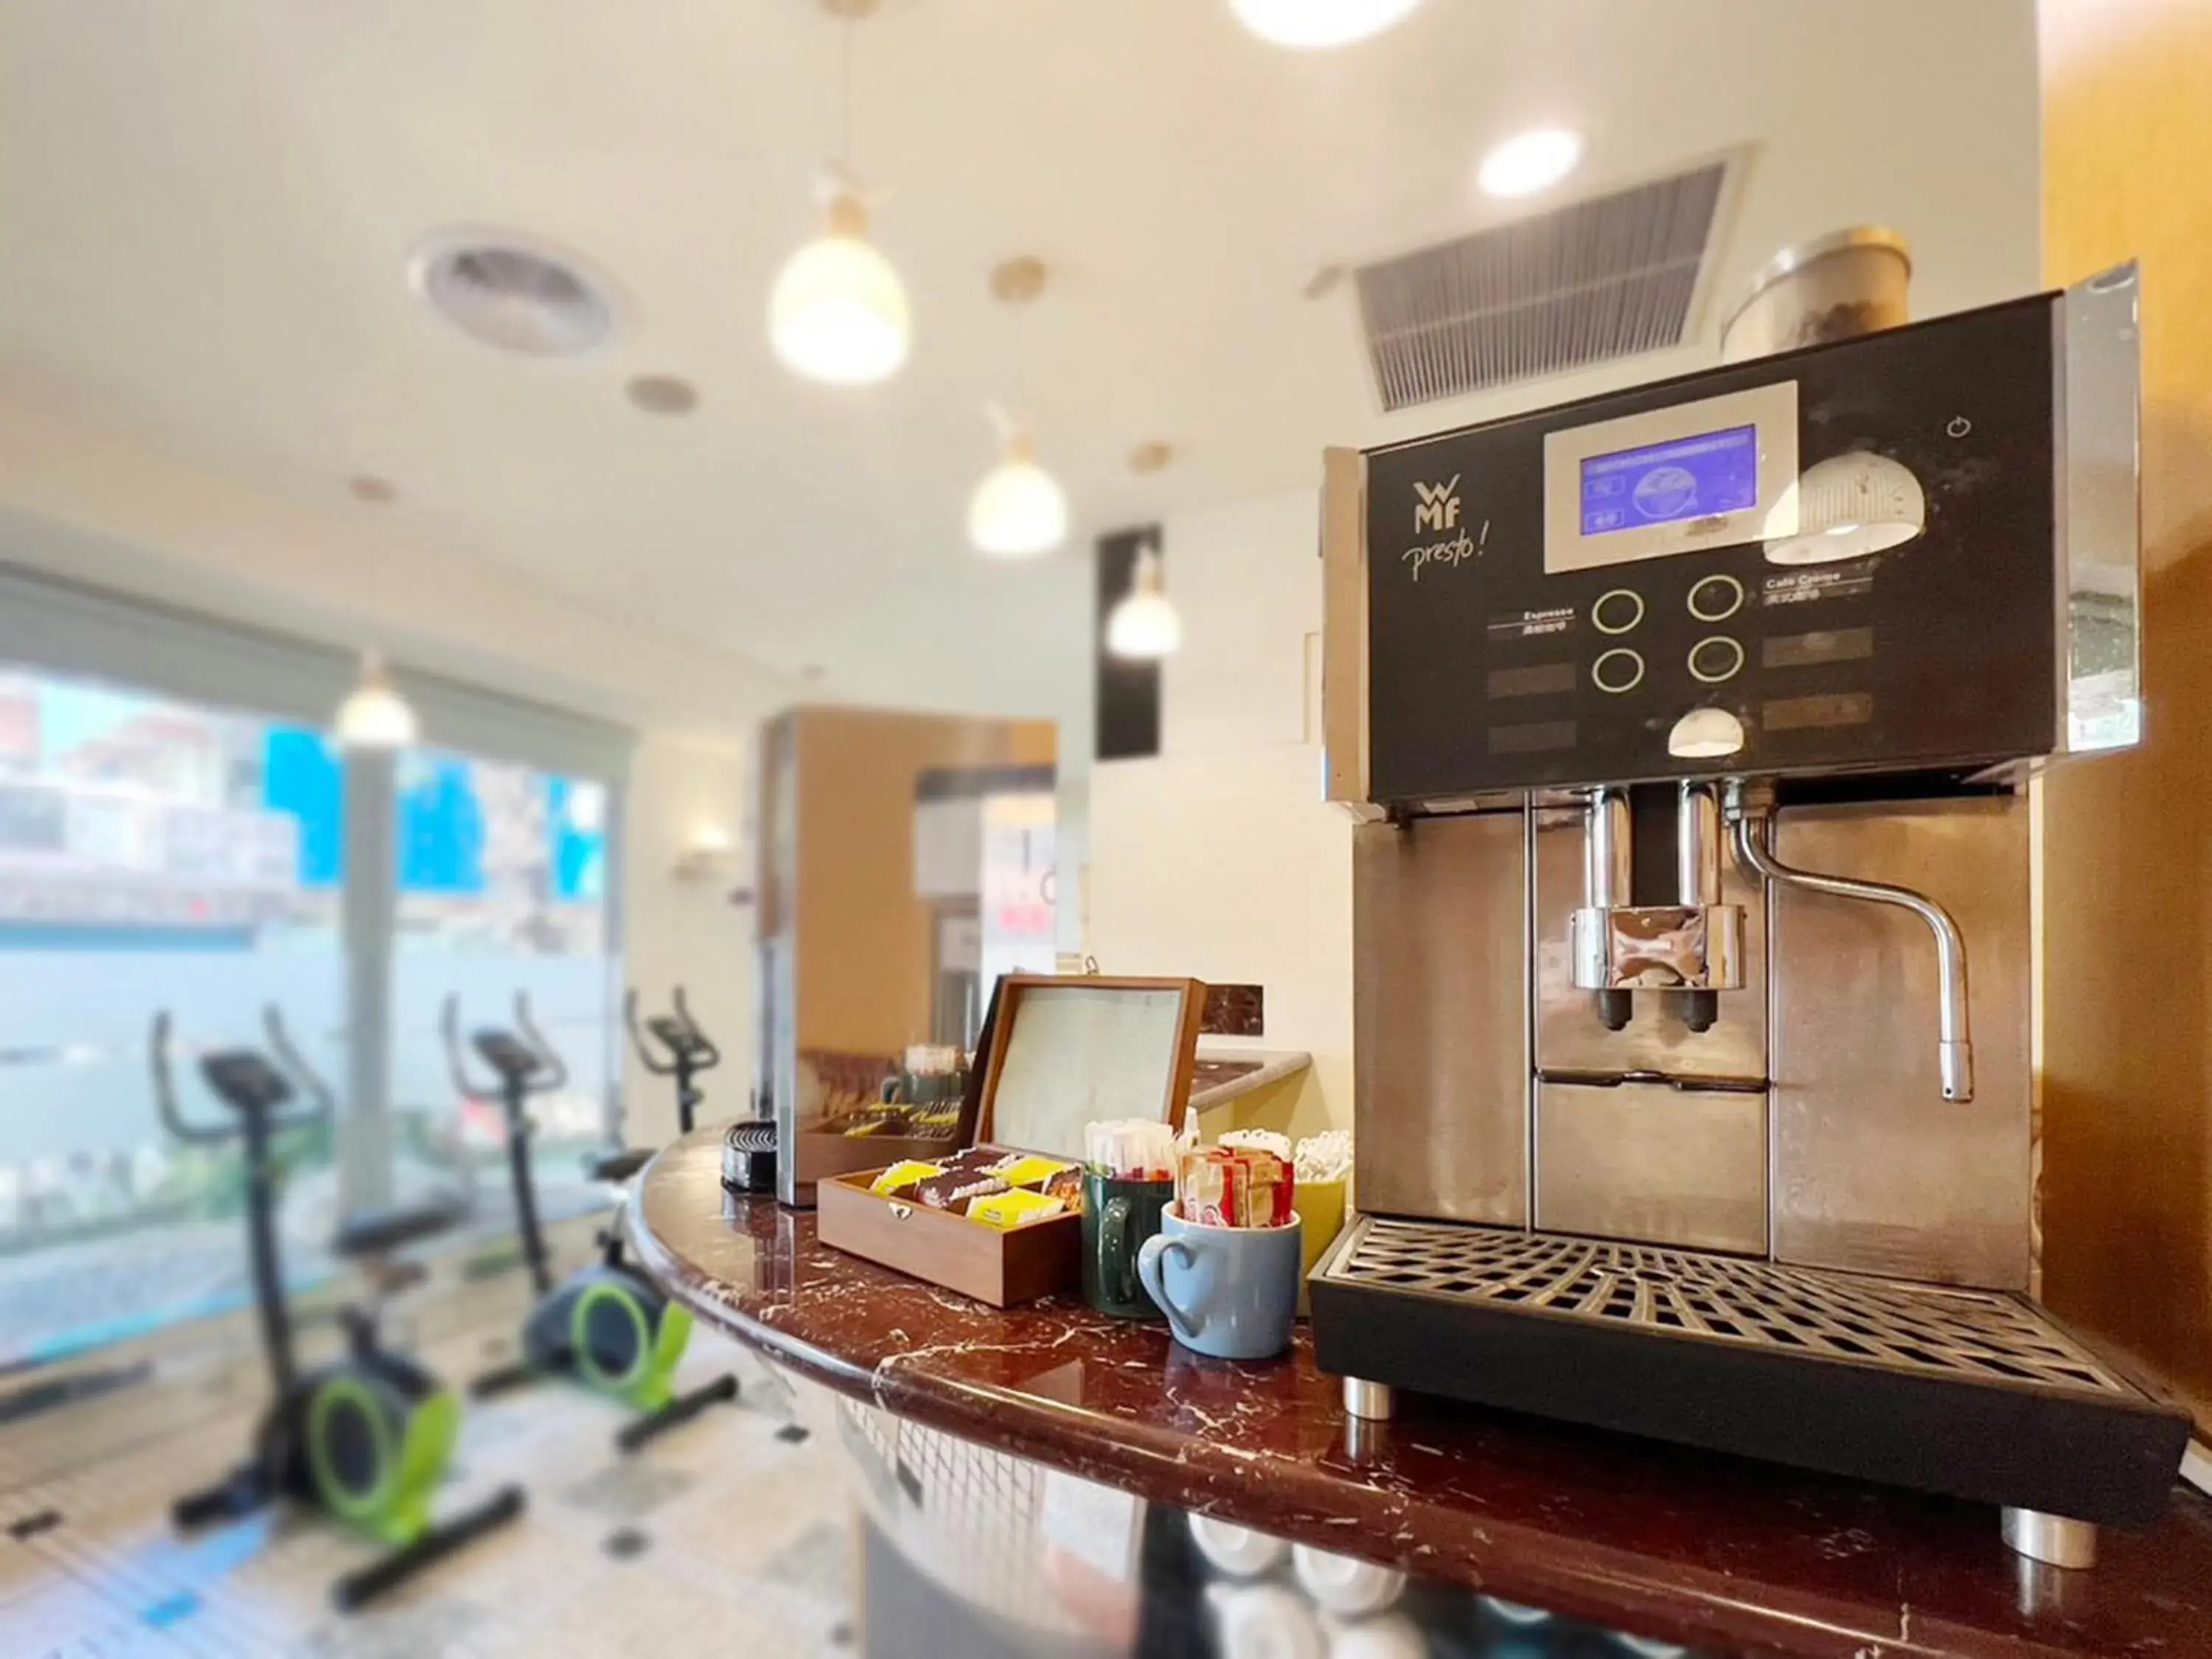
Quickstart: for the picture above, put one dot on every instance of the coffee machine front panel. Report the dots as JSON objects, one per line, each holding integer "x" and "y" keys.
{"x": 1551, "y": 596}
{"x": 1873, "y": 1171}
{"x": 1687, "y": 725}
{"x": 1440, "y": 1017}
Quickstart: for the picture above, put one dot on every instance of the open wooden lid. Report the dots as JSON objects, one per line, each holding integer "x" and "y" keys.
{"x": 1065, "y": 1052}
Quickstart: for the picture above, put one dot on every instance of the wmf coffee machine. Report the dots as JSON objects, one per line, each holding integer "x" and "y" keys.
{"x": 1690, "y": 727}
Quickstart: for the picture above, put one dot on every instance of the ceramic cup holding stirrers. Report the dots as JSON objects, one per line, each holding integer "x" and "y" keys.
{"x": 1224, "y": 1268}
{"x": 1128, "y": 1181}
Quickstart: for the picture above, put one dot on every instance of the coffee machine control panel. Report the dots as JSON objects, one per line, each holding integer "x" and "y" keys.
{"x": 1837, "y": 559}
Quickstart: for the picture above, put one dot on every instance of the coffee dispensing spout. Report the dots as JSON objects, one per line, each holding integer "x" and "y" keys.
{"x": 1750, "y": 812}
{"x": 1686, "y": 943}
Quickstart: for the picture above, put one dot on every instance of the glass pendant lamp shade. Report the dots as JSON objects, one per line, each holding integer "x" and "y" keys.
{"x": 1019, "y": 510}
{"x": 1145, "y": 626}
{"x": 375, "y": 716}
{"x": 838, "y": 311}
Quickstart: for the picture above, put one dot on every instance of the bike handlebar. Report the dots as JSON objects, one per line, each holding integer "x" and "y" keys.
{"x": 712, "y": 1056}
{"x": 289, "y": 1065}
{"x": 449, "y": 1022}
{"x": 165, "y": 1093}
{"x": 322, "y": 1102}
{"x": 704, "y": 1057}
{"x": 638, "y": 1039}
{"x": 552, "y": 1072}
{"x": 534, "y": 1040}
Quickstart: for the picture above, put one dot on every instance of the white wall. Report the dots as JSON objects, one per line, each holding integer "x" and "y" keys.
{"x": 1228, "y": 866}
{"x": 1220, "y": 858}
{"x": 682, "y": 929}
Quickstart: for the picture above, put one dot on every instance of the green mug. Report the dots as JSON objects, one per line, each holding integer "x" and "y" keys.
{"x": 1118, "y": 1216}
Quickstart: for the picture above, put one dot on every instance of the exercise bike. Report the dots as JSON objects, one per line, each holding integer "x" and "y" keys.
{"x": 366, "y": 1436}
{"x": 686, "y": 1051}
{"x": 749, "y": 1143}
{"x": 606, "y": 1326}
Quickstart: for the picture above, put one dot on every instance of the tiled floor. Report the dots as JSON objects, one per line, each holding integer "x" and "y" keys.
{"x": 740, "y": 1532}
{"x": 733, "y": 1535}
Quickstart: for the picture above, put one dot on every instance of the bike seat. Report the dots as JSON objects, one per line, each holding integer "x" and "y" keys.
{"x": 507, "y": 1056}
{"x": 680, "y": 1039}
{"x": 382, "y": 1231}
{"x": 243, "y": 1080}
{"x": 618, "y": 1167}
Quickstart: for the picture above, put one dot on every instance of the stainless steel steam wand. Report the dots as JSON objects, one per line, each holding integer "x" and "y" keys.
{"x": 1751, "y": 819}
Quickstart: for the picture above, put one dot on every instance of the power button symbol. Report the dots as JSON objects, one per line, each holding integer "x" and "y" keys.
{"x": 1959, "y": 427}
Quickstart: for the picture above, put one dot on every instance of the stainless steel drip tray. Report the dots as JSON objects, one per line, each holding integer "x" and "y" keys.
{"x": 1974, "y": 1394}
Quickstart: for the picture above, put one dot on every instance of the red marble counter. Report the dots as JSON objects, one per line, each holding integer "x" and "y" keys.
{"x": 1719, "y": 1553}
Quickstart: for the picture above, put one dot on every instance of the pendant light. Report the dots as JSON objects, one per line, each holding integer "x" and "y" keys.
{"x": 375, "y": 717}
{"x": 1019, "y": 510}
{"x": 1143, "y": 627}
{"x": 838, "y": 311}
{"x": 1314, "y": 24}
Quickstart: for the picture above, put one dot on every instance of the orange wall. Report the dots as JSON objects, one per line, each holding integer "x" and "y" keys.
{"x": 2127, "y": 950}
{"x": 864, "y": 944}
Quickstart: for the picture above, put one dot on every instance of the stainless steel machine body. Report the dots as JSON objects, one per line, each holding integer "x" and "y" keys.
{"x": 1690, "y": 728}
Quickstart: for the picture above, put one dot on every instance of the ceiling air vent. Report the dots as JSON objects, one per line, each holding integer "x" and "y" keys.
{"x": 1597, "y": 280}
{"x": 512, "y": 296}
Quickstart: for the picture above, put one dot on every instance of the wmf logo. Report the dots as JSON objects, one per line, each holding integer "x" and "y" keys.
{"x": 1436, "y": 506}
{"x": 1436, "y": 513}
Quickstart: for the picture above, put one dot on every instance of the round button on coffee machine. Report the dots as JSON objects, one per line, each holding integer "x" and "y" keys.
{"x": 1716, "y": 658}
{"x": 1617, "y": 611}
{"x": 1618, "y": 669}
{"x": 1716, "y": 598}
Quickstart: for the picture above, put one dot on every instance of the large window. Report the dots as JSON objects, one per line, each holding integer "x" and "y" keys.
{"x": 503, "y": 892}
{"x": 153, "y": 854}
{"x": 157, "y": 852}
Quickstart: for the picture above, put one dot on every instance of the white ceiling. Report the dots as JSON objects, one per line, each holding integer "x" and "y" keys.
{"x": 206, "y": 209}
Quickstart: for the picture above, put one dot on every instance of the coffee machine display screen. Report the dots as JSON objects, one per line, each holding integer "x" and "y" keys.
{"x": 1687, "y": 478}
{"x": 1702, "y": 473}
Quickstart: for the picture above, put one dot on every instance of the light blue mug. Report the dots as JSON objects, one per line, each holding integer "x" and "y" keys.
{"x": 1232, "y": 1292}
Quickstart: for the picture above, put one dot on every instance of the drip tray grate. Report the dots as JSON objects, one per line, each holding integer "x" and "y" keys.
{"x": 1928, "y": 1330}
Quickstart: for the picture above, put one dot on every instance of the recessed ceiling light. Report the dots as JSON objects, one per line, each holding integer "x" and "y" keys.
{"x": 377, "y": 492}
{"x": 1530, "y": 161}
{"x": 509, "y": 294}
{"x": 1314, "y": 24}
{"x": 664, "y": 394}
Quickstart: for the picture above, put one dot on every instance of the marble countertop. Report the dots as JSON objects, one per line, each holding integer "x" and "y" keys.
{"x": 1720, "y": 1553}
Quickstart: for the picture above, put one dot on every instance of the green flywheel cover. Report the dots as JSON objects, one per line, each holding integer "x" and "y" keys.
{"x": 654, "y": 1388}
{"x": 362, "y": 1505}
{"x": 395, "y": 1504}
{"x": 610, "y": 1292}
